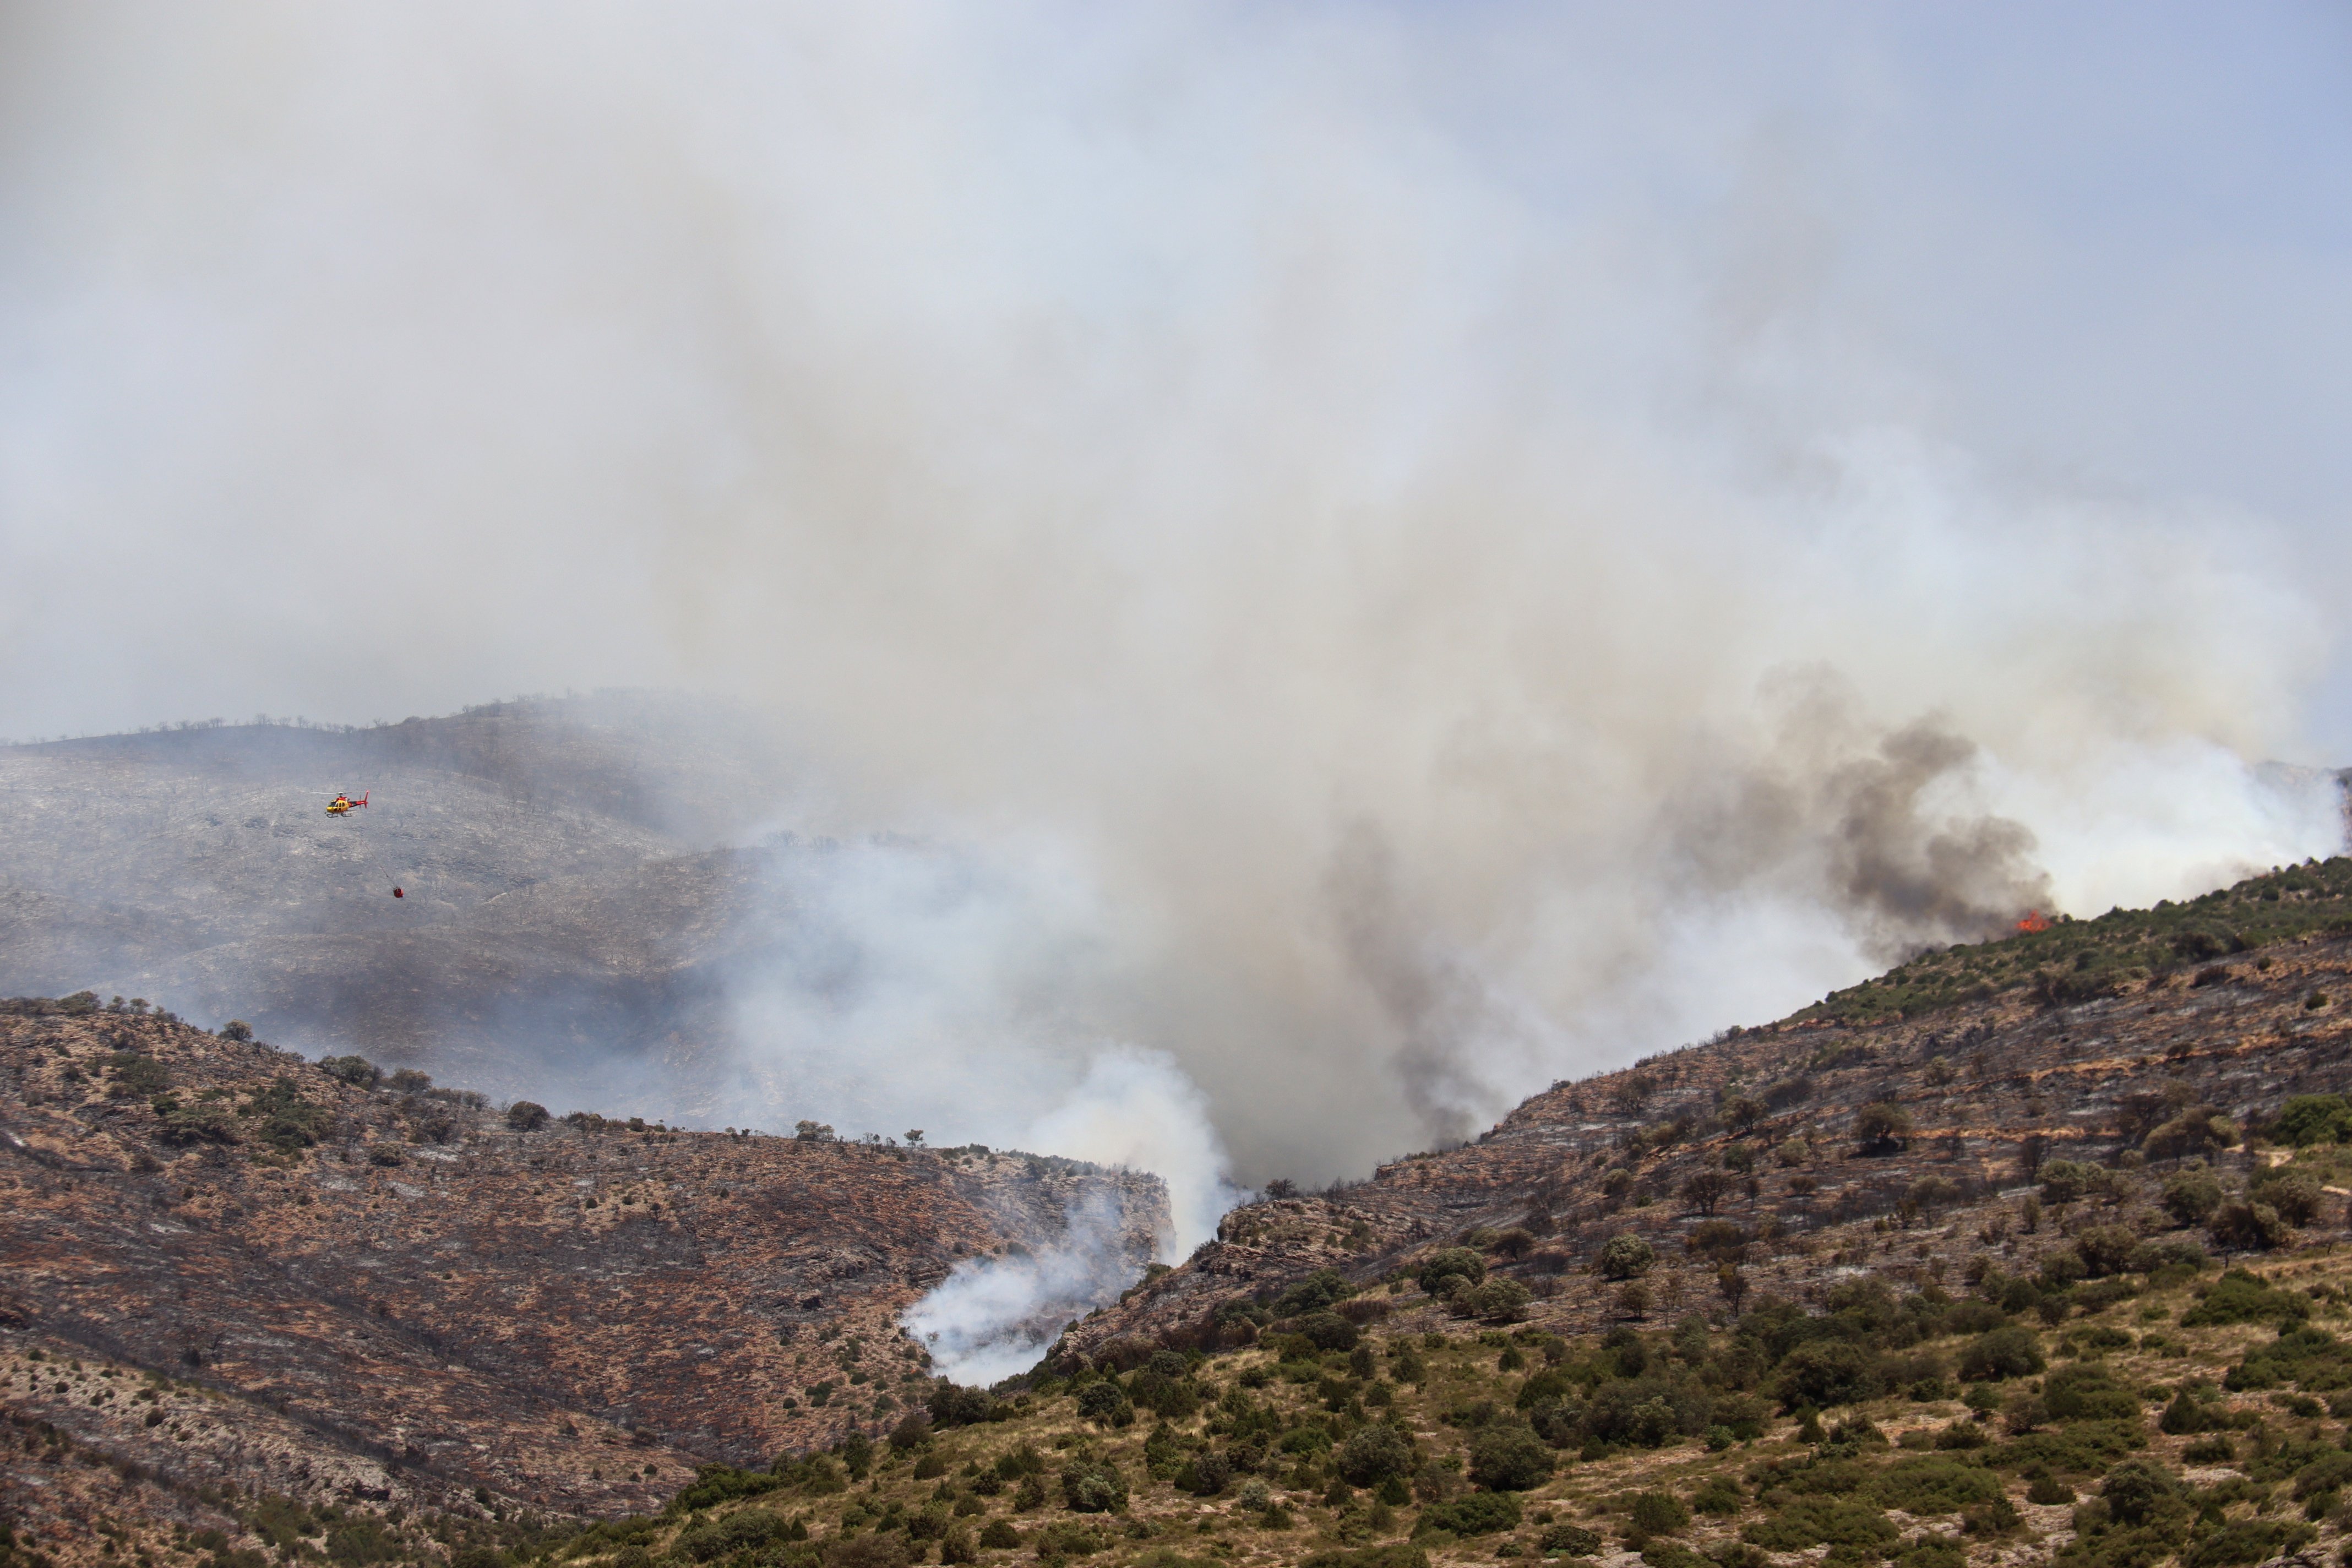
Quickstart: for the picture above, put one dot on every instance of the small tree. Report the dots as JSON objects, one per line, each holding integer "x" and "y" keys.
{"x": 526, "y": 1116}
{"x": 1625, "y": 1257}
{"x": 1741, "y": 1113}
{"x": 1731, "y": 1285}
{"x": 2246, "y": 1227}
{"x": 914, "y": 1137}
{"x": 1705, "y": 1190}
{"x": 1881, "y": 1127}
{"x": 2192, "y": 1195}
{"x": 2031, "y": 1151}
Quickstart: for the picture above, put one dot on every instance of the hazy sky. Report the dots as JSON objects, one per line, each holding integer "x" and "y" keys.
{"x": 352, "y": 360}
{"x": 1478, "y": 540}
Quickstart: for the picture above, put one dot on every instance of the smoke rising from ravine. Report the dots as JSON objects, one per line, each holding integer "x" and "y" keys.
{"x": 1310, "y": 591}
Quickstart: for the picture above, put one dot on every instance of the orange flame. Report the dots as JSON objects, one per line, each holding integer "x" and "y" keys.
{"x": 2034, "y": 921}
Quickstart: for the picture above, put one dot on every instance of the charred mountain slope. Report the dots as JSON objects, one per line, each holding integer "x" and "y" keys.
{"x": 1888, "y": 1128}
{"x": 569, "y": 901}
{"x": 382, "y": 1289}
{"x": 577, "y": 887}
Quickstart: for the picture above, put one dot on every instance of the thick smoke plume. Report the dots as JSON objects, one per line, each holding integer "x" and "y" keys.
{"x": 1320, "y": 568}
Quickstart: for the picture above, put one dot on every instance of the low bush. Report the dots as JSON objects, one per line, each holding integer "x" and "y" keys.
{"x": 1447, "y": 1264}
{"x": 2191, "y": 1195}
{"x": 1718, "y": 1496}
{"x": 1659, "y": 1513}
{"x": 1933, "y": 1486}
{"x": 1473, "y": 1513}
{"x": 1822, "y": 1520}
{"x": 2002, "y": 1352}
{"x": 1570, "y": 1540}
{"x": 1507, "y": 1456}
{"x": 2089, "y": 1393}
{"x": 1092, "y": 1485}
{"x": 2243, "y": 1297}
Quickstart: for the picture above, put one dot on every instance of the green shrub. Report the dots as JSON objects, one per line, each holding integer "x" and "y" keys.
{"x": 182, "y": 1125}
{"x": 285, "y": 1121}
{"x": 1092, "y": 1485}
{"x": 1446, "y": 1264}
{"x": 1508, "y": 1456}
{"x": 2082, "y": 1448}
{"x": 1659, "y": 1513}
{"x": 1931, "y": 1552}
{"x": 2246, "y": 1227}
{"x": 2310, "y": 1356}
{"x": 1625, "y": 1257}
{"x": 2071, "y": 1181}
{"x": 720, "y": 1483}
{"x": 136, "y": 1077}
{"x": 1573, "y": 1541}
{"x": 2087, "y": 1393}
{"x": 1933, "y": 1486}
{"x": 2003, "y": 1352}
{"x": 2191, "y": 1195}
{"x": 2240, "y": 1297}
{"x": 1328, "y": 1331}
{"x": 1396, "y": 1555}
{"x": 2247, "y": 1540}
{"x": 745, "y": 1530}
{"x": 2194, "y": 1132}
{"x": 1473, "y": 1513}
{"x": 1373, "y": 1454}
{"x": 2293, "y": 1192}
{"x": 2308, "y": 1118}
{"x": 2185, "y": 1414}
{"x": 1319, "y": 1291}
{"x": 1822, "y": 1373}
{"x": 1998, "y": 1517}
{"x": 1817, "y": 1520}
{"x": 1719, "y": 1496}
{"x": 999, "y": 1535}
{"x": 2137, "y": 1491}
{"x": 2105, "y": 1249}
{"x": 1494, "y": 1301}
{"x": 357, "y": 1071}
{"x": 1672, "y": 1555}
{"x": 2049, "y": 1490}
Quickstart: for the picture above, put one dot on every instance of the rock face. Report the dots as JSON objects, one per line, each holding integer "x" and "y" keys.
{"x": 1761, "y": 1137}
{"x": 364, "y": 1291}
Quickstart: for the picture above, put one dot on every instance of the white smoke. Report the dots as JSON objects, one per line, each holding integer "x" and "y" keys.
{"x": 995, "y": 1317}
{"x": 1381, "y": 556}
{"x": 919, "y": 987}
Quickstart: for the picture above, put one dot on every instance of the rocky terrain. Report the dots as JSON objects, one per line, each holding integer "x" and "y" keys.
{"x": 2074, "y": 1043}
{"x": 1929, "y": 1272}
{"x": 335, "y": 1285}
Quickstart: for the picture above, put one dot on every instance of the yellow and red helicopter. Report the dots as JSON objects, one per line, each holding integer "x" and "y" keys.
{"x": 343, "y": 804}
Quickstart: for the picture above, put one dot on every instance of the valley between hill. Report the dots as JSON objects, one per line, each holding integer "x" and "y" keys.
{"x": 1932, "y": 1273}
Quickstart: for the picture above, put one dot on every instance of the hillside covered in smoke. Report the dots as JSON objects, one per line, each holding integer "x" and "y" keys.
{"x": 605, "y": 901}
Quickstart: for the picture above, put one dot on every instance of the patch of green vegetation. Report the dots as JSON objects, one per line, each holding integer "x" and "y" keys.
{"x": 2079, "y": 960}
{"x": 1823, "y": 1520}
{"x": 2310, "y": 1359}
{"x": 2242, "y": 1297}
